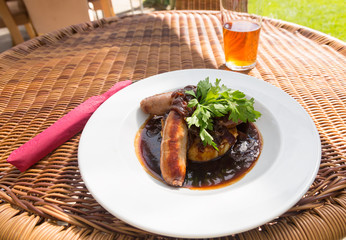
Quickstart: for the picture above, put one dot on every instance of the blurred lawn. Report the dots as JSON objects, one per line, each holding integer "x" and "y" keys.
{"x": 327, "y": 16}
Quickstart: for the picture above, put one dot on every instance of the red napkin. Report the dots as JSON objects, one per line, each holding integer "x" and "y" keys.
{"x": 61, "y": 131}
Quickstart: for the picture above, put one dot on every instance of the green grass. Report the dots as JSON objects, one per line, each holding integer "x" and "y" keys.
{"x": 327, "y": 16}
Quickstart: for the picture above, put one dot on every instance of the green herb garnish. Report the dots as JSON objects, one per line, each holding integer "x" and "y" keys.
{"x": 217, "y": 101}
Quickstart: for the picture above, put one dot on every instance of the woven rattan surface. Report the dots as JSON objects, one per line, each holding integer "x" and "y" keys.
{"x": 43, "y": 79}
{"x": 197, "y": 4}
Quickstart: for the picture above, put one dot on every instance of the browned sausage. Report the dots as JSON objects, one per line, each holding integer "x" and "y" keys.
{"x": 157, "y": 104}
{"x": 174, "y": 149}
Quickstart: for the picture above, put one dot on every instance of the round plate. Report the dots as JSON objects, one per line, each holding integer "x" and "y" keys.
{"x": 286, "y": 168}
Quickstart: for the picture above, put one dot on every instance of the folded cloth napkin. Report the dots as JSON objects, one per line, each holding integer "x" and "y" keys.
{"x": 61, "y": 131}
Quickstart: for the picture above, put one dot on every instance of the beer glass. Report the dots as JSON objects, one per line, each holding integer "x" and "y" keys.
{"x": 241, "y": 22}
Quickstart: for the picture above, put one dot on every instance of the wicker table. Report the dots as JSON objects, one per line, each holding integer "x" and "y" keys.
{"x": 43, "y": 79}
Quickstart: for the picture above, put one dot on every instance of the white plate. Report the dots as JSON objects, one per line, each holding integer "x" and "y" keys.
{"x": 284, "y": 171}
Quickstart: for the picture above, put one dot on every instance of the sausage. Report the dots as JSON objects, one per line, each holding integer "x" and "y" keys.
{"x": 157, "y": 104}
{"x": 174, "y": 149}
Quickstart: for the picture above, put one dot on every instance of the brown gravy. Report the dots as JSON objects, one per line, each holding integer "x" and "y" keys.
{"x": 216, "y": 173}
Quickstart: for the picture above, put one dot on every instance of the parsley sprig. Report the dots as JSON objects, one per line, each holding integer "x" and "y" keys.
{"x": 216, "y": 101}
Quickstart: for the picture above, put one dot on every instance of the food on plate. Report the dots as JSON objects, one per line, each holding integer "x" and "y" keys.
{"x": 157, "y": 104}
{"x": 173, "y": 149}
{"x": 199, "y": 136}
{"x": 198, "y": 152}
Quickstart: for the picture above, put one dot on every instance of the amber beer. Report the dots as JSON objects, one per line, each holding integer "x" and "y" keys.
{"x": 240, "y": 44}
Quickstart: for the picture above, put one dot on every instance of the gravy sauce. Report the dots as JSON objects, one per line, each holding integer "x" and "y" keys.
{"x": 219, "y": 172}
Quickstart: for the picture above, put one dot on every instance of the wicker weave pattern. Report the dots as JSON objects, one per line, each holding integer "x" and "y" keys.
{"x": 43, "y": 79}
{"x": 197, "y": 4}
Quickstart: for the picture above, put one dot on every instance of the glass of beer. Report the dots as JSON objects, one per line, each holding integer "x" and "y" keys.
{"x": 241, "y": 22}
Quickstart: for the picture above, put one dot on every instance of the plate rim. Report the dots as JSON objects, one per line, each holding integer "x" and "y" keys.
{"x": 157, "y": 231}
